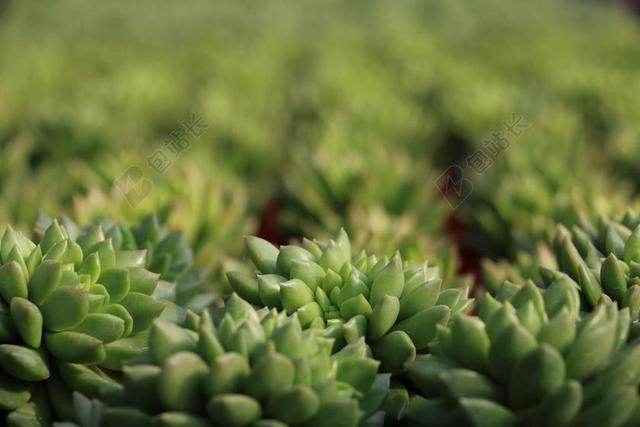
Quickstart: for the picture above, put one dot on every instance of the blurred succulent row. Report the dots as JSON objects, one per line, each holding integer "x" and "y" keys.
{"x": 72, "y": 309}
{"x": 390, "y": 106}
{"x": 521, "y": 198}
{"x": 530, "y": 360}
{"x": 248, "y": 368}
{"x": 393, "y": 304}
{"x": 212, "y": 208}
{"x": 375, "y": 190}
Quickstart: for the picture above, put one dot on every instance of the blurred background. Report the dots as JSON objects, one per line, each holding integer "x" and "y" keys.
{"x": 454, "y": 131}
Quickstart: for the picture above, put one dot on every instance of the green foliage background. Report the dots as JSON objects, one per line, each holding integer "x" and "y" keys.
{"x": 344, "y": 114}
{"x": 324, "y": 115}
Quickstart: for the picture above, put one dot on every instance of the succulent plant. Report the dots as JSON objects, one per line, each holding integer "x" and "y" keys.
{"x": 601, "y": 258}
{"x": 530, "y": 360}
{"x": 167, "y": 251}
{"x": 71, "y": 310}
{"x": 395, "y": 305}
{"x": 167, "y": 254}
{"x": 248, "y": 368}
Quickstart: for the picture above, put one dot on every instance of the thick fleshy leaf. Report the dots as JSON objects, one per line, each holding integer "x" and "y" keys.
{"x": 390, "y": 281}
{"x": 464, "y": 383}
{"x": 103, "y": 326}
{"x": 245, "y": 285}
{"x": 422, "y": 297}
{"x": 13, "y": 393}
{"x": 395, "y": 351}
{"x": 263, "y": 254}
{"x": 44, "y": 280}
{"x": 117, "y": 283}
{"x": 294, "y": 294}
{"x": 271, "y": 374}
{"x": 23, "y": 363}
{"x": 558, "y": 408}
{"x": 166, "y": 339}
{"x": 27, "y": 320}
{"x": 470, "y": 342}
{"x": 612, "y": 278}
{"x": 228, "y": 374}
{"x": 143, "y": 309}
{"x": 383, "y": 317}
{"x": 592, "y": 346}
{"x": 75, "y": 347}
{"x": 12, "y": 282}
{"x": 182, "y": 382}
{"x": 294, "y": 406}
{"x": 509, "y": 347}
{"x": 65, "y": 308}
{"x": 421, "y": 327}
{"x": 485, "y": 413}
{"x": 233, "y": 410}
{"x": 537, "y": 374}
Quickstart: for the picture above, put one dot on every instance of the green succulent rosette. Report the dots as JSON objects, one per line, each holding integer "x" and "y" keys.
{"x": 393, "y": 304}
{"x": 600, "y": 258}
{"x": 70, "y": 312}
{"x": 247, "y": 368}
{"x": 603, "y": 259}
{"x": 167, "y": 253}
{"x": 530, "y": 360}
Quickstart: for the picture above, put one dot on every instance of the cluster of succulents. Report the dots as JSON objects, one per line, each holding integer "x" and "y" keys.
{"x": 71, "y": 310}
{"x": 529, "y": 359}
{"x": 314, "y": 336}
{"x": 599, "y": 258}
{"x": 395, "y": 305}
{"x": 248, "y": 368}
{"x": 348, "y": 124}
{"x": 167, "y": 252}
{"x": 535, "y": 193}
{"x": 603, "y": 260}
